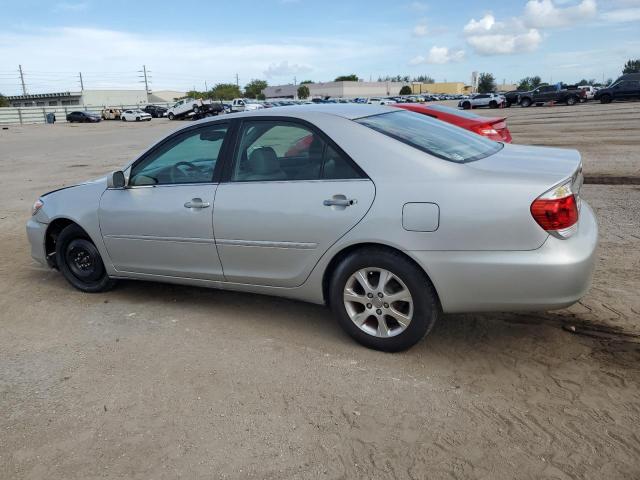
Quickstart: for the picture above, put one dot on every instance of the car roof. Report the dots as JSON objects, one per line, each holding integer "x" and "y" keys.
{"x": 349, "y": 111}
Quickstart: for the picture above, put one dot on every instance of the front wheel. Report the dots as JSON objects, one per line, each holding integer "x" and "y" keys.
{"x": 383, "y": 300}
{"x": 80, "y": 262}
{"x": 526, "y": 102}
{"x": 605, "y": 99}
{"x": 466, "y": 105}
{"x": 493, "y": 104}
{"x": 571, "y": 101}
{"x": 171, "y": 116}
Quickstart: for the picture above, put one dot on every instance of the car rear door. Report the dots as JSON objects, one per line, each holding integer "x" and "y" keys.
{"x": 276, "y": 213}
{"x": 162, "y": 222}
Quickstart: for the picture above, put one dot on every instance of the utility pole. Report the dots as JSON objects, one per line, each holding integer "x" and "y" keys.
{"x": 237, "y": 81}
{"x": 81, "y": 84}
{"x": 146, "y": 77}
{"x": 24, "y": 88}
{"x": 295, "y": 80}
{"x": 206, "y": 87}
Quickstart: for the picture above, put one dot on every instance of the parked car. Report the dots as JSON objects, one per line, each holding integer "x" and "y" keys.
{"x": 491, "y": 100}
{"x": 551, "y": 93}
{"x": 189, "y": 107}
{"x": 244, "y": 104}
{"x": 381, "y": 101}
{"x": 492, "y": 128}
{"x": 111, "y": 113}
{"x": 156, "y": 111}
{"x": 83, "y": 117}
{"x": 512, "y": 97}
{"x": 589, "y": 92}
{"x": 389, "y": 217}
{"x": 135, "y": 116}
{"x": 627, "y": 87}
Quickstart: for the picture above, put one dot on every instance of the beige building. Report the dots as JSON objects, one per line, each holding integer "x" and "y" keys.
{"x": 450, "y": 88}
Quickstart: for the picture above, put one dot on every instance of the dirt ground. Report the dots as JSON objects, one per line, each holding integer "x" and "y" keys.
{"x": 160, "y": 381}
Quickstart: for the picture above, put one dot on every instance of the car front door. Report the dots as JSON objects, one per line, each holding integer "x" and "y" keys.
{"x": 289, "y": 194}
{"x": 162, "y": 222}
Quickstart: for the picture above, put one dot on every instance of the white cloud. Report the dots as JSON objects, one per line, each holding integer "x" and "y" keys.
{"x": 621, "y": 15}
{"x": 70, "y": 6}
{"x": 285, "y": 69}
{"x": 420, "y": 30}
{"x": 439, "y": 56}
{"x": 490, "y": 37}
{"x": 545, "y": 14}
{"x": 111, "y": 58}
{"x": 418, "y": 6}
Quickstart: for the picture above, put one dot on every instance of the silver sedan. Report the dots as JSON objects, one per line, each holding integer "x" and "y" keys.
{"x": 387, "y": 216}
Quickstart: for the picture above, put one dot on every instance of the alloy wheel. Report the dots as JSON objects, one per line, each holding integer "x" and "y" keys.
{"x": 378, "y": 302}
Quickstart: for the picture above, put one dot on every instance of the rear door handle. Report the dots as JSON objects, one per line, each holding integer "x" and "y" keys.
{"x": 197, "y": 203}
{"x": 339, "y": 202}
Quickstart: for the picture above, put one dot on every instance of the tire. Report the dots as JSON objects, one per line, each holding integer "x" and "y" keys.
{"x": 571, "y": 100}
{"x": 493, "y": 104}
{"x": 466, "y": 106}
{"x": 79, "y": 261}
{"x": 171, "y": 116}
{"x": 507, "y": 104}
{"x": 123, "y": 119}
{"x": 422, "y": 309}
{"x": 137, "y": 119}
{"x": 196, "y": 109}
{"x": 606, "y": 98}
{"x": 525, "y": 102}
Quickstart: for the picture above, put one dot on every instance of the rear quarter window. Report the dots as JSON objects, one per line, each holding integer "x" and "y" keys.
{"x": 432, "y": 136}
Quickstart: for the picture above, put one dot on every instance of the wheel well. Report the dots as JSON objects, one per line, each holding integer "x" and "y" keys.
{"x": 342, "y": 254}
{"x": 51, "y": 237}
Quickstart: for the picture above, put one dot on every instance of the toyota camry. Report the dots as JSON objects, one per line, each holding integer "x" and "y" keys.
{"x": 387, "y": 216}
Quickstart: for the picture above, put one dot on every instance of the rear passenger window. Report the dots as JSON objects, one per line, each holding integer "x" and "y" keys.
{"x": 286, "y": 151}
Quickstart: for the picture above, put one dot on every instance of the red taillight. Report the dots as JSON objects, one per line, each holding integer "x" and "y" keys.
{"x": 557, "y": 210}
{"x": 556, "y": 214}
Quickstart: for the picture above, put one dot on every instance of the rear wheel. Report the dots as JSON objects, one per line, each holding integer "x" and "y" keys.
{"x": 80, "y": 262}
{"x": 526, "y": 102}
{"x": 196, "y": 109}
{"x": 383, "y": 300}
{"x": 571, "y": 100}
{"x": 171, "y": 116}
{"x": 466, "y": 105}
{"x": 606, "y": 98}
{"x": 493, "y": 104}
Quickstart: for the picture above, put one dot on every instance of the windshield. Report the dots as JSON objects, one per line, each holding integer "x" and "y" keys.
{"x": 432, "y": 136}
{"x": 453, "y": 111}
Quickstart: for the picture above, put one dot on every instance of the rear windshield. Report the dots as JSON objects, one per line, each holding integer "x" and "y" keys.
{"x": 432, "y": 136}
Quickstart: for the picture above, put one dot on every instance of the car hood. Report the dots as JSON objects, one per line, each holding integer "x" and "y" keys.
{"x": 101, "y": 180}
{"x": 551, "y": 165}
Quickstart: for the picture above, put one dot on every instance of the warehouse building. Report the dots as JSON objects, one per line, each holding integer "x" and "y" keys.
{"x": 84, "y": 97}
{"x": 337, "y": 89}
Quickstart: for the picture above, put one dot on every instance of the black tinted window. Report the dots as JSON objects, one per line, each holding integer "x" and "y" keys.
{"x": 432, "y": 136}
{"x": 337, "y": 167}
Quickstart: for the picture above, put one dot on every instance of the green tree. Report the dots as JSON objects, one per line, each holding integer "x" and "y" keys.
{"x": 225, "y": 91}
{"x": 632, "y": 66}
{"x": 306, "y": 82}
{"x": 254, "y": 88}
{"x": 529, "y": 83}
{"x": 347, "y": 78}
{"x": 424, "y": 79}
{"x": 486, "y": 83}
{"x": 3, "y": 101}
{"x": 406, "y": 90}
{"x": 303, "y": 92}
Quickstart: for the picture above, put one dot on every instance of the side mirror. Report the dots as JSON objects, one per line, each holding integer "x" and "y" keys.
{"x": 116, "y": 179}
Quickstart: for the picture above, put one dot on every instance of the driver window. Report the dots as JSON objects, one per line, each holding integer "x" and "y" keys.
{"x": 187, "y": 158}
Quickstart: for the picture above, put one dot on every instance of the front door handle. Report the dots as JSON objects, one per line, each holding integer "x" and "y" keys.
{"x": 339, "y": 201}
{"x": 197, "y": 203}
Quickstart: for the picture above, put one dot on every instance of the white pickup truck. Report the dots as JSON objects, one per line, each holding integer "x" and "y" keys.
{"x": 244, "y": 104}
{"x": 192, "y": 106}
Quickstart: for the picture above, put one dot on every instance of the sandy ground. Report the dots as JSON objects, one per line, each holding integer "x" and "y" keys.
{"x": 158, "y": 381}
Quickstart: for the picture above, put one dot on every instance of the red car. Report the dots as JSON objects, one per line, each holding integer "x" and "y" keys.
{"x": 492, "y": 128}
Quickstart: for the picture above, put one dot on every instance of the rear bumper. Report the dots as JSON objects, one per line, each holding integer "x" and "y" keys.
{"x": 555, "y": 275}
{"x": 36, "y": 234}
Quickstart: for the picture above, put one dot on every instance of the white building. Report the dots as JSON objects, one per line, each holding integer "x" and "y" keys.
{"x": 337, "y": 89}
{"x": 86, "y": 97}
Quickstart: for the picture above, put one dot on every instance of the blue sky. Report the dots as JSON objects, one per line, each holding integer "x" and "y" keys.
{"x": 188, "y": 43}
